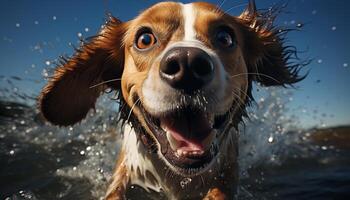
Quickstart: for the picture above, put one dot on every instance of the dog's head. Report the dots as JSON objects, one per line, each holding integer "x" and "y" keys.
{"x": 183, "y": 71}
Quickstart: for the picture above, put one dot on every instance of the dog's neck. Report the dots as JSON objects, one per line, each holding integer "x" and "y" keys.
{"x": 148, "y": 170}
{"x": 138, "y": 162}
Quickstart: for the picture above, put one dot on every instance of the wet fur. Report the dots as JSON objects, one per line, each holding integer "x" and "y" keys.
{"x": 68, "y": 96}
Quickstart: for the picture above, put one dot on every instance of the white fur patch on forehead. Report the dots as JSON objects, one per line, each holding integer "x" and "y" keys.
{"x": 189, "y": 15}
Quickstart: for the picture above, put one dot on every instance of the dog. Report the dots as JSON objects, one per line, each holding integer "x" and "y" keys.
{"x": 183, "y": 75}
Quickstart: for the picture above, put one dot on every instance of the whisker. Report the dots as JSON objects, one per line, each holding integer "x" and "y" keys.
{"x": 237, "y": 6}
{"x": 219, "y": 6}
{"x": 258, "y": 74}
{"x": 108, "y": 81}
{"x": 238, "y": 100}
{"x": 242, "y": 92}
{"x": 132, "y": 107}
{"x": 123, "y": 106}
{"x": 202, "y": 179}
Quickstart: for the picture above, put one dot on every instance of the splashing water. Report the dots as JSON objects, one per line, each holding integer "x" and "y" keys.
{"x": 185, "y": 182}
{"x": 278, "y": 159}
{"x": 76, "y": 162}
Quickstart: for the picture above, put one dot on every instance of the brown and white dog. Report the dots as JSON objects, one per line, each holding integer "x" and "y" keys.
{"x": 184, "y": 73}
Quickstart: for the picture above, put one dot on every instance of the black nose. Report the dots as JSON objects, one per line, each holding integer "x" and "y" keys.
{"x": 186, "y": 68}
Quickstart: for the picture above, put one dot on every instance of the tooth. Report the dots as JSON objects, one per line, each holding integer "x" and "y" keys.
{"x": 177, "y": 153}
{"x": 163, "y": 127}
{"x": 173, "y": 143}
{"x": 185, "y": 153}
{"x": 180, "y": 152}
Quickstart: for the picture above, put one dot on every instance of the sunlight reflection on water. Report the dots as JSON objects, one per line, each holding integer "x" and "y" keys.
{"x": 62, "y": 158}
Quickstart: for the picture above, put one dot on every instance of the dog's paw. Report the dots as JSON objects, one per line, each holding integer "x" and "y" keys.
{"x": 215, "y": 194}
{"x": 117, "y": 194}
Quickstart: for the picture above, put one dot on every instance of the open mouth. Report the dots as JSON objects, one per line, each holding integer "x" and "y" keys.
{"x": 187, "y": 137}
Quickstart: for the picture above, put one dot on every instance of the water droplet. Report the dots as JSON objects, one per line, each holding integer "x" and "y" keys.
{"x": 88, "y": 148}
{"x": 45, "y": 73}
{"x": 273, "y": 157}
{"x": 185, "y": 182}
{"x": 345, "y": 65}
{"x": 12, "y": 152}
{"x": 82, "y": 152}
{"x": 86, "y": 29}
{"x": 80, "y": 34}
{"x": 334, "y": 28}
{"x": 74, "y": 168}
{"x": 299, "y": 25}
{"x": 270, "y": 140}
{"x": 7, "y": 39}
{"x": 319, "y": 61}
{"x": 54, "y": 18}
{"x": 47, "y": 62}
{"x": 18, "y": 25}
{"x": 324, "y": 148}
{"x": 36, "y": 22}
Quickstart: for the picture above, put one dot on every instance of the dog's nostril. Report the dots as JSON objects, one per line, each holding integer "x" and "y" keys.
{"x": 202, "y": 67}
{"x": 171, "y": 68}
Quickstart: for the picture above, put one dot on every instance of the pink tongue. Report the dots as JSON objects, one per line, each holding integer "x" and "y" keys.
{"x": 189, "y": 132}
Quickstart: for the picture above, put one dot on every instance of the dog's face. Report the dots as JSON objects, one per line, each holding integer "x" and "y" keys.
{"x": 179, "y": 79}
{"x": 184, "y": 71}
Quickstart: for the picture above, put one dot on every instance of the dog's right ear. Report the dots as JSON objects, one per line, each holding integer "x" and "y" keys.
{"x": 69, "y": 95}
{"x": 266, "y": 55}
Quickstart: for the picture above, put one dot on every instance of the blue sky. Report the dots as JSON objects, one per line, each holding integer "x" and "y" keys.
{"x": 33, "y": 32}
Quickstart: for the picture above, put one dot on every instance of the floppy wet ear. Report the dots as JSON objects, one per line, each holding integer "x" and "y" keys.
{"x": 267, "y": 59}
{"x": 69, "y": 95}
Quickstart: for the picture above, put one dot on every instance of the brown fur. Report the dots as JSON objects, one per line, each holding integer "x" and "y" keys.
{"x": 67, "y": 97}
{"x": 119, "y": 180}
{"x": 215, "y": 194}
{"x": 261, "y": 56}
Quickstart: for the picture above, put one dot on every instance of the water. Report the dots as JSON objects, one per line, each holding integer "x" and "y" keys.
{"x": 278, "y": 159}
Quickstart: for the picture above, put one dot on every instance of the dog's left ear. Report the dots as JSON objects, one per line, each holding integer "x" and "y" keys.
{"x": 266, "y": 56}
{"x": 70, "y": 93}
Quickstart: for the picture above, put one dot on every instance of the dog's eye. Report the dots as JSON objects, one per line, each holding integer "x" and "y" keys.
{"x": 145, "y": 40}
{"x": 225, "y": 39}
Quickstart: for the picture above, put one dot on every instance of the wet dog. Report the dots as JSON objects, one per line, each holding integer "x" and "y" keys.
{"x": 184, "y": 73}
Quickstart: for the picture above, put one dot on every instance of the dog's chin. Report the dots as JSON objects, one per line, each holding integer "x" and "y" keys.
{"x": 187, "y": 137}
